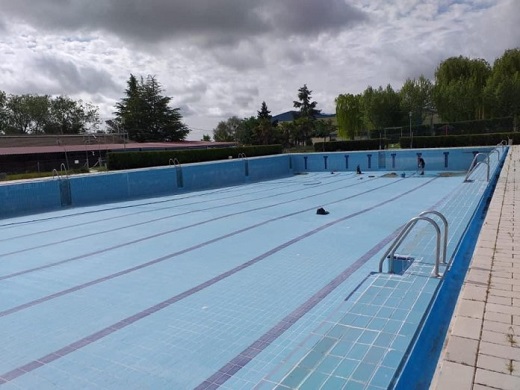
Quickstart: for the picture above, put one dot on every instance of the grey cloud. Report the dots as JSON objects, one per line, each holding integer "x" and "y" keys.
{"x": 186, "y": 110}
{"x": 308, "y": 17}
{"x": 244, "y": 56}
{"x": 203, "y": 21}
{"x": 71, "y": 79}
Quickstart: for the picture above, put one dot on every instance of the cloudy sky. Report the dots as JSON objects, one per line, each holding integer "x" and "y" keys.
{"x": 219, "y": 58}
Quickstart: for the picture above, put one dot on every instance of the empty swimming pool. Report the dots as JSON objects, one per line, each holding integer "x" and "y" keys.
{"x": 235, "y": 287}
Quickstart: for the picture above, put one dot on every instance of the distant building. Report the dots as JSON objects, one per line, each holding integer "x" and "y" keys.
{"x": 43, "y": 153}
{"x": 290, "y": 116}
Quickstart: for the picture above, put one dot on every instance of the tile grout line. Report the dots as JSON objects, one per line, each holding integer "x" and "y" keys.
{"x": 493, "y": 257}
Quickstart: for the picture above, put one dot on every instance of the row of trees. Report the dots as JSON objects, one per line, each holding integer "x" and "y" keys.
{"x": 37, "y": 114}
{"x": 464, "y": 89}
{"x": 144, "y": 114}
{"x": 262, "y": 130}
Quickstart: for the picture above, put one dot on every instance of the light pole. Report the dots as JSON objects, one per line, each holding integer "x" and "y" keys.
{"x": 411, "y": 134}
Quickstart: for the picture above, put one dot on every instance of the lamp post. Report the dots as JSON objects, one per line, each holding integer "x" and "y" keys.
{"x": 411, "y": 134}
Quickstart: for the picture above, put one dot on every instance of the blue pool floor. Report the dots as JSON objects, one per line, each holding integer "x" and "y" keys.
{"x": 237, "y": 287}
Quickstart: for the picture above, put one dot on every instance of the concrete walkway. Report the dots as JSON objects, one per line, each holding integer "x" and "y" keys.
{"x": 482, "y": 349}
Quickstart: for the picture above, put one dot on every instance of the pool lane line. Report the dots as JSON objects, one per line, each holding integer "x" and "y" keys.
{"x": 85, "y": 341}
{"x": 234, "y": 365}
{"x": 155, "y": 210}
{"x": 83, "y": 256}
{"x": 171, "y": 198}
{"x": 58, "y": 294}
{"x": 156, "y": 219}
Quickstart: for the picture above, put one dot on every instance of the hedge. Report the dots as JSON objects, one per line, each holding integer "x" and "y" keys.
{"x": 144, "y": 159}
{"x": 448, "y": 141}
{"x": 340, "y": 146}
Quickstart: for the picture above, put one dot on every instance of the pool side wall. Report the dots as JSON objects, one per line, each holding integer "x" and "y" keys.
{"x": 418, "y": 369}
{"x": 37, "y": 196}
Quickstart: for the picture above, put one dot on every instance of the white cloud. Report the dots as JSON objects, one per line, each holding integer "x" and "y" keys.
{"x": 217, "y": 59}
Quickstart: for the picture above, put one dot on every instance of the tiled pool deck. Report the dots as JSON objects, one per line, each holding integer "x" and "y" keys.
{"x": 234, "y": 288}
{"x": 482, "y": 350}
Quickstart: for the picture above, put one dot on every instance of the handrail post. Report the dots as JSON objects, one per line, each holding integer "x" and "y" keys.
{"x": 406, "y": 230}
{"x": 445, "y": 221}
{"x": 473, "y": 166}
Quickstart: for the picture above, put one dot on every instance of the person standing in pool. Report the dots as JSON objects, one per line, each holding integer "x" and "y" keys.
{"x": 420, "y": 165}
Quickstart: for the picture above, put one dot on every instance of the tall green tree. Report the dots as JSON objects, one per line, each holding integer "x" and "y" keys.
{"x": 416, "y": 97}
{"x": 306, "y": 117}
{"x": 288, "y": 132}
{"x": 324, "y": 129}
{"x": 226, "y": 131}
{"x": 502, "y": 92}
{"x": 68, "y": 116}
{"x": 381, "y": 107}
{"x": 265, "y": 131}
{"x": 41, "y": 114}
{"x": 458, "y": 93}
{"x": 19, "y": 116}
{"x": 264, "y": 113}
{"x": 146, "y": 114}
{"x": 349, "y": 115}
{"x": 3, "y": 112}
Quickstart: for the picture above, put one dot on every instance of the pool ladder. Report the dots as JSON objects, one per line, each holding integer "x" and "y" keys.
{"x": 474, "y": 164}
{"x": 62, "y": 173}
{"x": 390, "y": 253}
{"x": 178, "y": 171}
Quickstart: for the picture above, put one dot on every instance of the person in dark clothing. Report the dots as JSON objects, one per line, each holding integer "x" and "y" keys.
{"x": 358, "y": 170}
{"x": 421, "y": 164}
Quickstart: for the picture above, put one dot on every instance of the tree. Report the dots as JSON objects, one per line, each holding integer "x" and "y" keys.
{"x": 68, "y": 116}
{"x": 245, "y": 133}
{"x": 146, "y": 115}
{"x": 416, "y": 97}
{"x": 18, "y": 115}
{"x": 381, "y": 107}
{"x": 37, "y": 114}
{"x": 349, "y": 115}
{"x": 307, "y": 115}
{"x": 304, "y": 104}
{"x": 264, "y": 129}
{"x": 264, "y": 113}
{"x": 458, "y": 93}
{"x": 206, "y": 138}
{"x": 502, "y": 92}
{"x": 226, "y": 131}
{"x": 3, "y": 112}
{"x": 288, "y": 133}
{"x": 324, "y": 128}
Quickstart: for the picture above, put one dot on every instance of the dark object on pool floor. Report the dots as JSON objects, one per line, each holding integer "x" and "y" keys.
{"x": 321, "y": 211}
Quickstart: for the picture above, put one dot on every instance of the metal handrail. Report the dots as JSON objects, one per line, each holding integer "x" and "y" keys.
{"x": 56, "y": 174}
{"x": 242, "y": 155}
{"x": 404, "y": 233}
{"x": 496, "y": 150}
{"x": 445, "y": 221}
{"x": 63, "y": 168}
{"x": 474, "y": 166}
{"x": 174, "y": 162}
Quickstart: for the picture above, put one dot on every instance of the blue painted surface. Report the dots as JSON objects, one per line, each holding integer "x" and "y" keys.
{"x": 29, "y": 197}
{"x": 419, "y": 367}
{"x": 231, "y": 287}
{"x": 44, "y": 195}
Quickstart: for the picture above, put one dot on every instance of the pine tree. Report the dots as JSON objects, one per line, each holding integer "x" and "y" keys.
{"x": 264, "y": 113}
{"x": 146, "y": 115}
